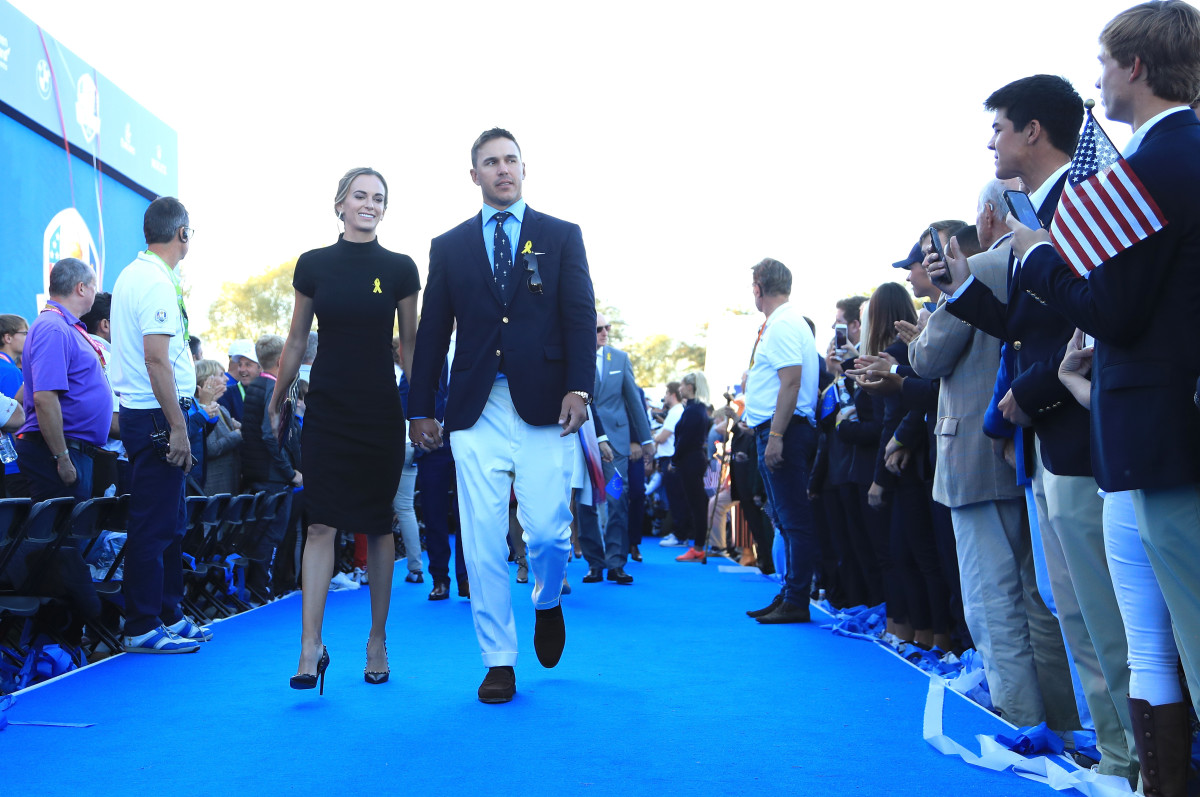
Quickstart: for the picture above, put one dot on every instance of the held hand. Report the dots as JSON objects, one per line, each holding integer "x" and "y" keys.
{"x": 907, "y": 331}
{"x": 425, "y": 433}
{"x": 649, "y": 450}
{"x": 572, "y": 415}
{"x": 635, "y": 450}
{"x": 1024, "y": 238}
{"x": 773, "y": 456}
{"x": 606, "y": 452}
{"x": 1012, "y": 411}
{"x": 66, "y": 470}
{"x": 179, "y": 449}
{"x": 298, "y": 479}
{"x": 897, "y": 460}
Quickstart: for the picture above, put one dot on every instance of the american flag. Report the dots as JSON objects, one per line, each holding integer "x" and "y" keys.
{"x": 1104, "y": 209}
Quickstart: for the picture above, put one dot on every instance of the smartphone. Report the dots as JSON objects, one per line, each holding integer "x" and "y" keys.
{"x": 1018, "y": 202}
{"x": 841, "y": 338}
{"x": 935, "y": 241}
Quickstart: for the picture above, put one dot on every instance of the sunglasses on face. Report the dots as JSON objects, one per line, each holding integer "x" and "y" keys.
{"x": 605, "y": 328}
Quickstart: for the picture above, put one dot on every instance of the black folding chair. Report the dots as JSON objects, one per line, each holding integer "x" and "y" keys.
{"x": 27, "y": 556}
{"x": 88, "y": 521}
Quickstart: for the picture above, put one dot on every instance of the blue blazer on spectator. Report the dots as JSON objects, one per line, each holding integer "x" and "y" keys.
{"x": 544, "y": 343}
{"x": 1141, "y": 307}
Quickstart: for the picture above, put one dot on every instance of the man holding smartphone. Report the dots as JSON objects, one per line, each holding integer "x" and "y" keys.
{"x": 152, "y": 371}
{"x": 1035, "y": 130}
{"x": 1140, "y": 305}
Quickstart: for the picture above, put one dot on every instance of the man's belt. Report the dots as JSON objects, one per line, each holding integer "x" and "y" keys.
{"x": 86, "y": 449}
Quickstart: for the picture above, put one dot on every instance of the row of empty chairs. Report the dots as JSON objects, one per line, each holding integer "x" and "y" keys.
{"x": 222, "y": 538}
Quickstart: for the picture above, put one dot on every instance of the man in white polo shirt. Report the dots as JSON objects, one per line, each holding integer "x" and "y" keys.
{"x": 781, "y": 396}
{"x": 152, "y": 371}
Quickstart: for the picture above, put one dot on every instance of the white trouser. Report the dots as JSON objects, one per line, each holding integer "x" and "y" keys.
{"x": 402, "y": 506}
{"x": 1153, "y": 676}
{"x": 502, "y": 452}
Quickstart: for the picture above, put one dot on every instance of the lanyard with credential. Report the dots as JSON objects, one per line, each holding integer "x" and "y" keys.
{"x": 178, "y": 291}
{"x": 82, "y": 331}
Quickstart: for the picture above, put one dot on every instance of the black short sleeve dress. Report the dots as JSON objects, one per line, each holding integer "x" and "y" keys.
{"x": 352, "y": 443}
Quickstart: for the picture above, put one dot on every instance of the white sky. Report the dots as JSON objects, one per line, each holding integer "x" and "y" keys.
{"x": 689, "y": 140}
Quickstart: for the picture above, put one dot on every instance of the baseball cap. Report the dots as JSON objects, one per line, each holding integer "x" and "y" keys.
{"x": 915, "y": 256}
{"x": 243, "y": 348}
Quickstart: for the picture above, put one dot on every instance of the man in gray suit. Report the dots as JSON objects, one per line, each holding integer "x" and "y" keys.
{"x": 1019, "y": 640}
{"x": 619, "y": 408}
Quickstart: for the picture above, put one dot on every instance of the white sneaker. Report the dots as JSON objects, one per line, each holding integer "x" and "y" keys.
{"x": 670, "y": 541}
{"x": 342, "y": 581}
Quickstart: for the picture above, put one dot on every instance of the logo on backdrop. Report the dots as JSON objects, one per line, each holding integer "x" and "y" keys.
{"x": 45, "y": 81}
{"x": 5, "y": 50}
{"x": 156, "y": 162}
{"x": 127, "y": 140}
{"x": 87, "y": 107}
{"x": 67, "y": 235}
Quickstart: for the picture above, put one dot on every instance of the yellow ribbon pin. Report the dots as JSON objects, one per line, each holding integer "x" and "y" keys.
{"x": 377, "y": 288}
{"x": 528, "y": 248}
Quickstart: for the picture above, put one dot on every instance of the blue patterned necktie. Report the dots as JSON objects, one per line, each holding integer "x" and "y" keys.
{"x": 502, "y": 255}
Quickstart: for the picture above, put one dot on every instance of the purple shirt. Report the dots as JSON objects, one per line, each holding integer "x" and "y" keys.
{"x": 59, "y": 356}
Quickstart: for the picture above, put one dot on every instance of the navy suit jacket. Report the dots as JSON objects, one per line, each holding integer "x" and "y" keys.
{"x": 1141, "y": 307}
{"x": 1037, "y": 339}
{"x": 544, "y": 343}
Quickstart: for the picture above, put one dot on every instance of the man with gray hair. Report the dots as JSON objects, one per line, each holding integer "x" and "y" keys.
{"x": 68, "y": 403}
{"x": 989, "y": 218}
{"x": 152, "y": 371}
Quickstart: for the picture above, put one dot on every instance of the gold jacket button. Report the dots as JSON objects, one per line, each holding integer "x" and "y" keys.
{"x": 1017, "y": 345}
{"x": 505, "y": 319}
{"x": 497, "y": 352}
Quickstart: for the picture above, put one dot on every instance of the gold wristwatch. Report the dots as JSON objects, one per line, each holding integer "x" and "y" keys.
{"x": 587, "y": 399}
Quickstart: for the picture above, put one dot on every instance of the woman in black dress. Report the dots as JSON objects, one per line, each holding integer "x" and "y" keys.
{"x": 352, "y": 444}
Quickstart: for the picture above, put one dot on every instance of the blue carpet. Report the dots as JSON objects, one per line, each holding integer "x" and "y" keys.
{"x": 666, "y": 687}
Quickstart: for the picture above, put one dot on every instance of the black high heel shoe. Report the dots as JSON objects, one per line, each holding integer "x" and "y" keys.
{"x": 372, "y": 677}
{"x": 306, "y": 681}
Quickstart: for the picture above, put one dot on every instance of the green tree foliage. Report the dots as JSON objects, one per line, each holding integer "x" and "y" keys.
{"x": 262, "y": 304}
{"x": 659, "y": 359}
{"x": 616, "y": 337}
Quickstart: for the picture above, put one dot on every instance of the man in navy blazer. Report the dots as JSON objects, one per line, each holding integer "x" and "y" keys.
{"x": 1035, "y": 130}
{"x": 517, "y": 283}
{"x": 1140, "y": 305}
